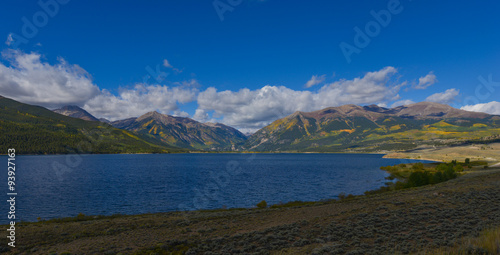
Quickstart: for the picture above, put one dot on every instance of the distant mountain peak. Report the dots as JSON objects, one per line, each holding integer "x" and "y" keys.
{"x": 436, "y": 110}
{"x": 153, "y": 114}
{"x": 76, "y": 112}
{"x": 184, "y": 132}
{"x": 71, "y": 107}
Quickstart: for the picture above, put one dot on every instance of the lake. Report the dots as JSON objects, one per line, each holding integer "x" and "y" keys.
{"x": 53, "y": 186}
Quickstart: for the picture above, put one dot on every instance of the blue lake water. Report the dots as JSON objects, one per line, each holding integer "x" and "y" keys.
{"x": 65, "y": 185}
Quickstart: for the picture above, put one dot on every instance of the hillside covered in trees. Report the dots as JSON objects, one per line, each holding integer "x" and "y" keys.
{"x": 37, "y": 130}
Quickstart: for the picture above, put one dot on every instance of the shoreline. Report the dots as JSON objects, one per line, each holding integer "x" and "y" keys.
{"x": 303, "y": 228}
{"x": 202, "y": 152}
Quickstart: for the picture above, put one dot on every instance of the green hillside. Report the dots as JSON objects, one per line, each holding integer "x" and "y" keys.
{"x": 37, "y": 130}
{"x": 369, "y": 129}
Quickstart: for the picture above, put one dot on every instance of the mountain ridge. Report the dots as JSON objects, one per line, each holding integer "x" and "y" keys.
{"x": 333, "y": 129}
{"x": 184, "y": 132}
{"x": 76, "y": 112}
{"x": 34, "y": 129}
{"x": 372, "y": 128}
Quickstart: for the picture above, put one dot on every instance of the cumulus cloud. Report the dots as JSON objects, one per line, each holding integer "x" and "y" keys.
{"x": 249, "y": 110}
{"x": 26, "y": 78}
{"x": 402, "y": 102}
{"x": 139, "y": 100}
{"x": 426, "y": 81}
{"x": 444, "y": 97}
{"x": 315, "y": 80}
{"x": 491, "y": 108}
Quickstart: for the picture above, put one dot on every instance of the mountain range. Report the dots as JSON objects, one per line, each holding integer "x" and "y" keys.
{"x": 36, "y": 130}
{"x": 347, "y": 128}
{"x": 184, "y": 132}
{"x": 374, "y": 128}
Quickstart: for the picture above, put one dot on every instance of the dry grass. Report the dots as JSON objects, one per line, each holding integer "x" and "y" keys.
{"x": 487, "y": 152}
{"x": 488, "y": 242}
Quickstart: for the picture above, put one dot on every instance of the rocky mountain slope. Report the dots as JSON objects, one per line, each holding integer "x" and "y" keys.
{"x": 184, "y": 132}
{"x": 76, "y": 112}
{"x": 374, "y": 128}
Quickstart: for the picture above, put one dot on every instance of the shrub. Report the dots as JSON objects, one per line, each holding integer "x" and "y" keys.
{"x": 438, "y": 177}
{"x": 80, "y": 216}
{"x": 449, "y": 174}
{"x": 262, "y": 204}
{"x": 418, "y": 166}
{"x": 458, "y": 168}
{"x": 399, "y": 185}
{"x": 419, "y": 178}
{"x": 342, "y": 196}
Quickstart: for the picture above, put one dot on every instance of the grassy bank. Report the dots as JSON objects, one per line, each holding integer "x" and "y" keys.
{"x": 488, "y": 242}
{"x": 426, "y": 218}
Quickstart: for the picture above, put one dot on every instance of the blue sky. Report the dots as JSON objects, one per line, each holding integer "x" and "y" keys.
{"x": 253, "y": 66}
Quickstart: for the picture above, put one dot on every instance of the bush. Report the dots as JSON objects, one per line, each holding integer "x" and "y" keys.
{"x": 342, "y": 196}
{"x": 438, "y": 177}
{"x": 80, "y": 216}
{"x": 458, "y": 168}
{"x": 418, "y": 166}
{"x": 418, "y": 178}
{"x": 262, "y": 204}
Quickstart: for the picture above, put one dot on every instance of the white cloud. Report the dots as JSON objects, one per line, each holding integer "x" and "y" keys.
{"x": 193, "y": 83}
{"x": 426, "y": 81}
{"x": 249, "y": 110}
{"x": 444, "y": 97}
{"x": 28, "y": 79}
{"x": 315, "y": 80}
{"x": 402, "y": 102}
{"x": 201, "y": 115}
{"x": 167, "y": 64}
{"x": 139, "y": 100}
{"x": 491, "y": 108}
